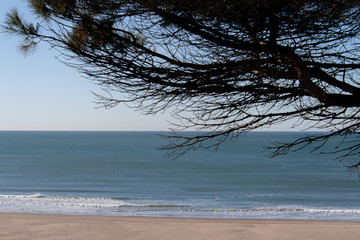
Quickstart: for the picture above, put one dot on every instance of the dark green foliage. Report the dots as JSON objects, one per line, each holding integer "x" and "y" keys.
{"x": 29, "y": 33}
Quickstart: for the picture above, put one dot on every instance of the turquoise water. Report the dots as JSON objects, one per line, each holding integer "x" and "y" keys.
{"x": 124, "y": 174}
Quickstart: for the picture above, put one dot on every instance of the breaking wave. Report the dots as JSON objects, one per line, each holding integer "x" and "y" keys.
{"x": 39, "y": 203}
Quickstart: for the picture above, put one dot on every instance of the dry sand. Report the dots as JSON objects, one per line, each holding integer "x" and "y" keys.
{"x": 59, "y": 227}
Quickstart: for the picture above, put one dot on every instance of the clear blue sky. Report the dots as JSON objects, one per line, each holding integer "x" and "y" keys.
{"x": 40, "y": 93}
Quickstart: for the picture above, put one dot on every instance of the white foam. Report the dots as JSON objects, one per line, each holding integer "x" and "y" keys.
{"x": 141, "y": 207}
{"x": 43, "y": 203}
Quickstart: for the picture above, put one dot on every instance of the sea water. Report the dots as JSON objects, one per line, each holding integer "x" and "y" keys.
{"x": 125, "y": 174}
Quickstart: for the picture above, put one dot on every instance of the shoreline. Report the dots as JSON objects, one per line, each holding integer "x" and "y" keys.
{"x": 59, "y": 227}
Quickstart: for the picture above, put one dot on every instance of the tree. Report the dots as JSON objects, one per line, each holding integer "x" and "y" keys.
{"x": 227, "y": 67}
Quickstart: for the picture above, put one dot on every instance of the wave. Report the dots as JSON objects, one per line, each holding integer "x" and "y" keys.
{"x": 282, "y": 210}
{"x": 73, "y": 201}
{"x": 144, "y": 207}
{"x": 39, "y": 199}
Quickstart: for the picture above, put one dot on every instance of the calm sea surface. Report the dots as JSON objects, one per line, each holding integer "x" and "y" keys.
{"x": 124, "y": 174}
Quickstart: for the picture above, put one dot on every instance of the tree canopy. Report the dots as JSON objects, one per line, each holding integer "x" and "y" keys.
{"x": 226, "y": 67}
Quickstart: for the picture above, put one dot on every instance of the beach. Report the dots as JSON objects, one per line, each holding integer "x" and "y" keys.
{"x": 124, "y": 174}
{"x": 60, "y": 227}
{"x": 115, "y": 185}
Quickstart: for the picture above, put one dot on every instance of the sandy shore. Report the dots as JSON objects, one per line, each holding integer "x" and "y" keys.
{"x": 59, "y": 227}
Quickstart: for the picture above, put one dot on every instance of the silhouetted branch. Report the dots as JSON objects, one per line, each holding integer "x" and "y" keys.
{"x": 224, "y": 67}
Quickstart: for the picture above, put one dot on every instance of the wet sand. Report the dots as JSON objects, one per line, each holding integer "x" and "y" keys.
{"x": 58, "y": 227}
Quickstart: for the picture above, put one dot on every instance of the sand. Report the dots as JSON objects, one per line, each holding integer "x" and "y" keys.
{"x": 59, "y": 227}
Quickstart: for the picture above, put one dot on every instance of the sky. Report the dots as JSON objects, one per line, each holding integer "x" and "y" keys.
{"x": 38, "y": 92}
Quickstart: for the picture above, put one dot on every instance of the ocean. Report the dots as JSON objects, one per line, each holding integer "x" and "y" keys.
{"x": 125, "y": 174}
